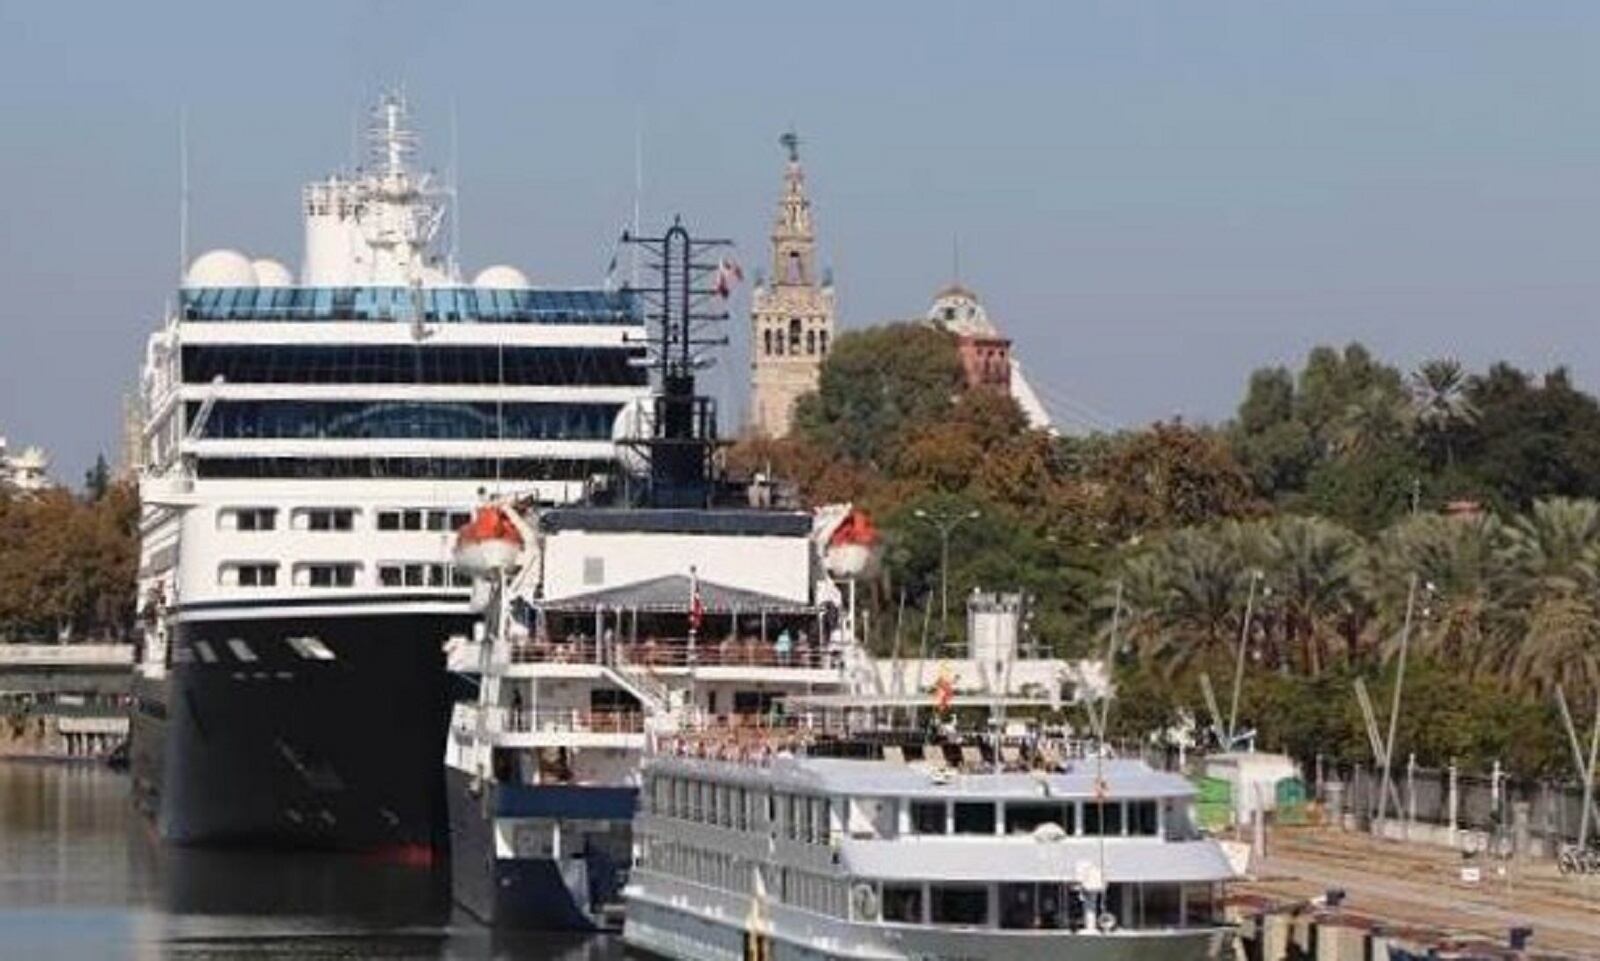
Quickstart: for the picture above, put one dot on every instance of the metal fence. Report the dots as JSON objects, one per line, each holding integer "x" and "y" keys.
{"x": 1483, "y": 803}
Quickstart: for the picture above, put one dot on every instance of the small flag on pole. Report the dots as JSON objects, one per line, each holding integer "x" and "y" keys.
{"x": 729, "y": 273}
{"x": 697, "y": 607}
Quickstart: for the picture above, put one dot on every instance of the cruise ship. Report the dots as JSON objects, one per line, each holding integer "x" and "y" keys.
{"x": 311, "y": 447}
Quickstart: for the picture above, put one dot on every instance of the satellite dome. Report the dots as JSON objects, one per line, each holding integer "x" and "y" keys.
{"x": 632, "y": 423}
{"x": 270, "y": 273}
{"x": 221, "y": 268}
{"x": 501, "y": 277}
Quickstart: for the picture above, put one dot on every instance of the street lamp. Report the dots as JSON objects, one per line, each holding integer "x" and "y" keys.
{"x": 945, "y": 523}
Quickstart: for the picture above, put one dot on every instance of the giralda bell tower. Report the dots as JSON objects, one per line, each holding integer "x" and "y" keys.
{"x": 792, "y": 310}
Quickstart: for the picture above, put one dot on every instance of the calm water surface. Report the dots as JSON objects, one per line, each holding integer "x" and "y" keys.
{"x": 81, "y": 878}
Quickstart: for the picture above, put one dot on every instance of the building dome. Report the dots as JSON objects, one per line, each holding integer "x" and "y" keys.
{"x": 270, "y": 273}
{"x": 221, "y": 268}
{"x": 957, "y": 310}
{"x": 501, "y": 277}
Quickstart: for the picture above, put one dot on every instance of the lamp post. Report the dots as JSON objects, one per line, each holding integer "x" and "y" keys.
{"x": 945, "y": 523}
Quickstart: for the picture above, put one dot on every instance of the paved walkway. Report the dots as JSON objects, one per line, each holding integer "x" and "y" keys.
{"x": 1421, "y": 885}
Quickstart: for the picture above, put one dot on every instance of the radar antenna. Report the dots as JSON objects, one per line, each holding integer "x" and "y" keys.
{"x": 683, "y": 303}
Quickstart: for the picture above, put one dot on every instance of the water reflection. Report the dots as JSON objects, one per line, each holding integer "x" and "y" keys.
{"x": 81, "y": 878}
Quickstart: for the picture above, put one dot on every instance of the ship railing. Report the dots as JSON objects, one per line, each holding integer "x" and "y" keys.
{"x": 678, "y": 652}
{"x": 513, "y": 720}
{"x": 556, "y": 652}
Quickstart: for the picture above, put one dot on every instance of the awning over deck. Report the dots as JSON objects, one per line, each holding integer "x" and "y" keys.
{"x": 671, "y": 594}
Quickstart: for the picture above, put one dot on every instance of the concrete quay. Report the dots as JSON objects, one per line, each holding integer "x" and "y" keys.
{"x": 1412, "y": 897}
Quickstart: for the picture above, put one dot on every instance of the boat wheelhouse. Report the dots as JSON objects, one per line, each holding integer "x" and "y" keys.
{"x": 762, "y": 848}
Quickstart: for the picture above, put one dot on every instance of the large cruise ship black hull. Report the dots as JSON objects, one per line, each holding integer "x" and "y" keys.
{"x": 259, "y": 741}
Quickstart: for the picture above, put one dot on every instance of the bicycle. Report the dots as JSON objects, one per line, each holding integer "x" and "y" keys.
{"x": 1572, "y": 859}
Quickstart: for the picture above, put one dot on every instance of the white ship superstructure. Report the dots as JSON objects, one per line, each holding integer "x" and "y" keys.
{"x": 311, "y": 449}
{"x": 793, "y": 847}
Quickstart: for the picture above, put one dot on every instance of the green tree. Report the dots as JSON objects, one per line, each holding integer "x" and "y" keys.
{"x": 1557, "y": 553}
{"x": 1441, "y": 406}
{"x": 97, "y": 479}
{"x": 875, "y": 384}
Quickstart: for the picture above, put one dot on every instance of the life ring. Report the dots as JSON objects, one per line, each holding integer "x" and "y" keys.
{"x": 864, "y": 901}
{"x": 1107, "y": 921}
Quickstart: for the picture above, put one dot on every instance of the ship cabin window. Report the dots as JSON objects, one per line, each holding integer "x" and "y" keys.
{"x": 928, "y": 817}
{"x": 419, "y": 519}
{"x": 872, "y": 818}
{"x": 416, "y": 575}
{"x": 680, "y": 798}
{"x": 325, "y": 519}
{"x": 741, "y": 809}
{"x": 975, "y": 817}
{"x": 962, "y": 905}
{"x": 902, "y": 903}
{"x": 248, "y": 575}
{"x": 248, "y": 519}
{"x": 1102, "y": 819}
{"x": 1025, "y": 818}
{"x": 326, "y": 575}
{"x": 1142, "y": 819}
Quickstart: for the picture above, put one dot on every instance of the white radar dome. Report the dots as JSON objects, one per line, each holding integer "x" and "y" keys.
{"x": 501, "y": 277}
{"x": 633, "y": 423}
{"x": 270, "y": 273}
{"x": 221, "y": 268}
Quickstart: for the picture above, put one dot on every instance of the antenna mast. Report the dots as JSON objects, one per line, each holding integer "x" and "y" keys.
{"x": 183, "y": 191}
{"x": 681, "y": 307}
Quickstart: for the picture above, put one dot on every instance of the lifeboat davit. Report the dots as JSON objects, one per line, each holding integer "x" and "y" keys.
{"x": 490, "y": 542}
{"x": 853, "y": 548}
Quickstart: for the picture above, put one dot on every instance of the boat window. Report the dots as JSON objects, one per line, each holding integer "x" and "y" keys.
{"x": 1026, "y": 818}
{"x": 963, "y": 904}
{"x": 1162, "y": 905}
{"x": 928, "y": 817}
{"x": 902, "y": 903}
{"x": 1032, "y": 906}
{"x": 975, "y": 817}
{"x": 1142, "y": 818}
{"x": 1102, "y": 818}
{"x": 741, "y": 809}
{"x": 248, "y": 519}
{"x": 820, "y": 827}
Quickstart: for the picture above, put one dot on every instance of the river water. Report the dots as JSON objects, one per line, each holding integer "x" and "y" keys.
{"x": 81, "y": 879}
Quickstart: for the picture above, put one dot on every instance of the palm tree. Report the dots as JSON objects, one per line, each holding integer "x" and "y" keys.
{"x": 1439, "y": 401}
{"x": 1556, "y": 550}
{"x": 1376, "y": 417}
{"x": 1466, "y": 571}
{"x": 1312, "y": 567}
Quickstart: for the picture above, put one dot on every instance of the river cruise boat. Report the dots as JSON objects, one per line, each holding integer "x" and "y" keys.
{"x": 798, "y": 848}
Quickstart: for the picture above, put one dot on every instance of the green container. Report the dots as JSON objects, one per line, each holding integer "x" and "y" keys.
{"x": 1290, "y": 794}
{"x": 1214, "y": 803}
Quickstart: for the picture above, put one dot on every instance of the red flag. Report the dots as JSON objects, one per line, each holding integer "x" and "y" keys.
{"x": 729, "y": 273}
{"x": 697, "y": 607}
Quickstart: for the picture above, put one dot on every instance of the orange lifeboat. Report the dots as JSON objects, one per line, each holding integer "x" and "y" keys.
{"x": 853, "y": 547}
{"x": 490, "y": 542}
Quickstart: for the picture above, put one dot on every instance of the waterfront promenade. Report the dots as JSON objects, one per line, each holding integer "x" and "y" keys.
{"x": 1419, "y": 888}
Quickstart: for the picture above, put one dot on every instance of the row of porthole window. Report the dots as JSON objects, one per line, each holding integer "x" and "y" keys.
{"x": 342, "y": 519}
{"x": 390, "y": 574}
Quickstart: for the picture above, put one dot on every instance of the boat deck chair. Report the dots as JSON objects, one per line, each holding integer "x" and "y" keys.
{"x": 894, "y": 754}
{"x": 971, "y": 758}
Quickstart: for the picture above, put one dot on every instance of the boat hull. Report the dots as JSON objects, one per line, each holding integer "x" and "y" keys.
{"x": 253, "y": 740}
{"x": 568, "y": 888}
{"x": 688, "y": 925}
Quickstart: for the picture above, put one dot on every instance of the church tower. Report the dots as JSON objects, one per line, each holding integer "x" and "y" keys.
{"x": 791, "y": 313}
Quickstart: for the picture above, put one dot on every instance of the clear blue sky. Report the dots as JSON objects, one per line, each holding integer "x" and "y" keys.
{"x": 1152, "y": 198}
